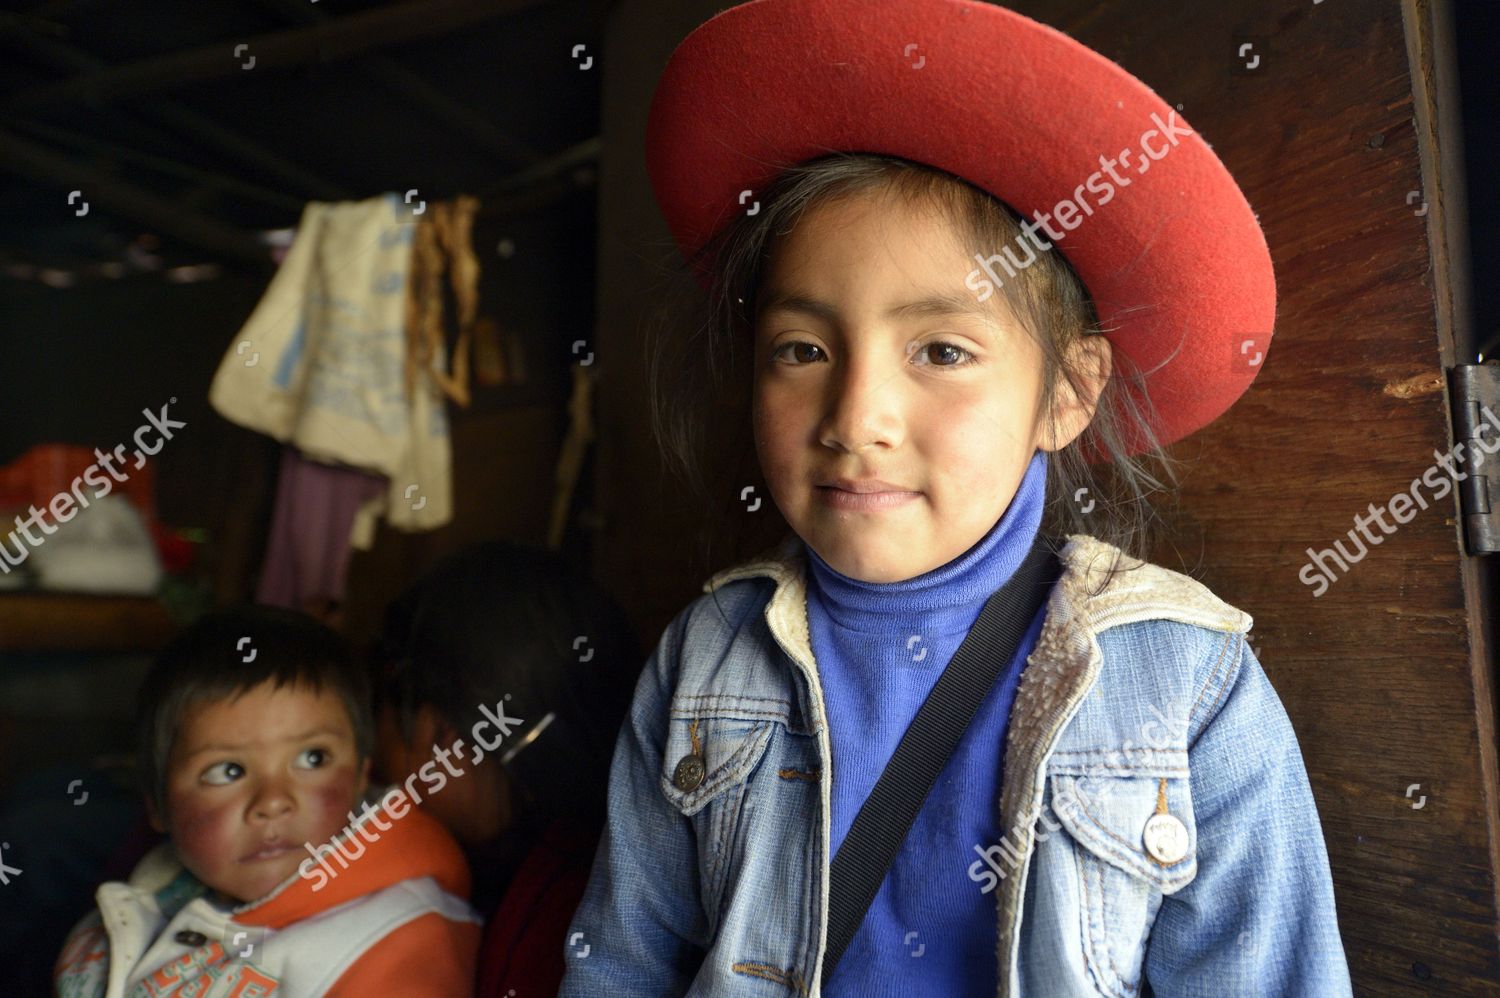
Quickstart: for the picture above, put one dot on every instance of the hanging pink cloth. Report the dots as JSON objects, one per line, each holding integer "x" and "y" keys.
{"x": 307, "y": 558}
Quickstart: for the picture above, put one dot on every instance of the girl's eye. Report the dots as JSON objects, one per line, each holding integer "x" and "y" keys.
{"x": 222, "y": 773}
{"x": 954, "y": 356}
{"x": 808, "y": 348}
{"x": 940, "y": 354}
{"x": 312, "y": 758}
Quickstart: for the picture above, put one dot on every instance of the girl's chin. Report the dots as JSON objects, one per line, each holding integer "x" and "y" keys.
{"x": 857, "y": 561}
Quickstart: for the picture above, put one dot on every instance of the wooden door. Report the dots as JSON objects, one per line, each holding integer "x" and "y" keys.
{"x": 1343, "y": 138}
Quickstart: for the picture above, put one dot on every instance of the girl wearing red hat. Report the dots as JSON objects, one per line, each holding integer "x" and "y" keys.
{"x": 953, "y": 737}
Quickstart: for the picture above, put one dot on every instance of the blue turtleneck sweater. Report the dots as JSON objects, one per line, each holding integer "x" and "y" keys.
{"x": 875, "y": 676}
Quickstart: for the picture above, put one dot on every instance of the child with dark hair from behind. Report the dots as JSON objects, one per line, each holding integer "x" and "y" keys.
{"x": 508, "y": 634}
{"x": 283, "y": 873}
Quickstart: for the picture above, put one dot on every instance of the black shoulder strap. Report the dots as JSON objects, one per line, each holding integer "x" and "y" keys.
{"x": 888, "y": 813}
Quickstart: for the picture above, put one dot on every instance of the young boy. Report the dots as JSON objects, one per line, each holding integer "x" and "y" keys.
{"x": 254, "y": 744}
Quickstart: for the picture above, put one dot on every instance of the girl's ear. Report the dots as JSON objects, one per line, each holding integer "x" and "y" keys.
{"x": 1090, "y": 360}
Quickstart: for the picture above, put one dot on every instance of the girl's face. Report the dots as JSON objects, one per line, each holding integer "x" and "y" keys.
{"x": 877, "y": 370}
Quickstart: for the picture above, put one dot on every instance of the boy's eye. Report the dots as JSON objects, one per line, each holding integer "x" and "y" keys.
{"x": 954, "y": 356}
{"x": 807, "y": 349}
{"x": 222, "y": 773}
{"x": 312, "y": 758}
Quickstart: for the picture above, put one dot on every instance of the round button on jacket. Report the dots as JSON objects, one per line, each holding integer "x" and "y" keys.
{"x": 689, "y": 773}
{"x": 1166, "y": 838}
{"x": 190, "y": 938}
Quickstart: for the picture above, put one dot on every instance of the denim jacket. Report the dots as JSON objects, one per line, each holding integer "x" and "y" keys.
{"x": 1161, "y": 834}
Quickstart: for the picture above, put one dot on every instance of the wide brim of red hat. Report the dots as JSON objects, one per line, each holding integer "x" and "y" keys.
{"x": 1175, "y": 261}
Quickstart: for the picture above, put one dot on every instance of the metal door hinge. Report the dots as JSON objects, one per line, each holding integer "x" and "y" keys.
{"x": 1476, "y": 410}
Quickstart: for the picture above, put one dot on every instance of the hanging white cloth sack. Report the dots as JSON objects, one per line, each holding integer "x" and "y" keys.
{"x": 320, "y": 363}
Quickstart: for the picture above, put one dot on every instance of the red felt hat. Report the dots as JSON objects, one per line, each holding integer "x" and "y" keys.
{"x": 1162, "y": 236}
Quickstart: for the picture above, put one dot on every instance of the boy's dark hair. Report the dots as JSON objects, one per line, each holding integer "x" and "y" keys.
{"x": 503, "y": 622}
{"x": 207, "y": 663}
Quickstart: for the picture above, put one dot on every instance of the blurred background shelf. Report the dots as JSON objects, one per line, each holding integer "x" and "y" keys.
{"x": 49, "y": 622}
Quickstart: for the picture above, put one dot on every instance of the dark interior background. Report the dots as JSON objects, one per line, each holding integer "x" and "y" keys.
{"x": 185, "y": 157}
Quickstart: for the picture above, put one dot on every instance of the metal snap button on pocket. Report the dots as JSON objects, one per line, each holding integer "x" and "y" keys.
{"x": 689, "y": 772}
{"x": 188, "y": 937}
{"x": 1165, "y": 838}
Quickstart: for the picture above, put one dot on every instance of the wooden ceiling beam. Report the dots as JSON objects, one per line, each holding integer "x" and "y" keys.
{"x": 45, "y": 167}
{"x": 332, "y": 41}
{"x": 198, "y": 127}
{"x": 440, "y": 106}
{"x": 215, "y": 182}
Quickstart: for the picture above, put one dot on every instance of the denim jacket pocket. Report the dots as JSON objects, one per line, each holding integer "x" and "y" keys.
{"x": 707, "y": 761}
{"x": 1121, "y": 880}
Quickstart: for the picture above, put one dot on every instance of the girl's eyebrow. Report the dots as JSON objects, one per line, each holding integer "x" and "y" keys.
{"x": 938, "y": 304}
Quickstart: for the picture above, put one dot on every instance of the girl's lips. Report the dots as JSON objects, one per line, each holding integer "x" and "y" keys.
{"x": 864, "y": 501}
{"x": 267, "y": 852}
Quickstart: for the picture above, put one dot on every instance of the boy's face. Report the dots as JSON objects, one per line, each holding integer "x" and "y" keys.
{"x": 249, "y": 780}
{"x": 940, "y": 402}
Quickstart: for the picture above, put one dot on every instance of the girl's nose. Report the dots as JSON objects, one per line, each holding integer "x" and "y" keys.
{"x": 865, "y": 407}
